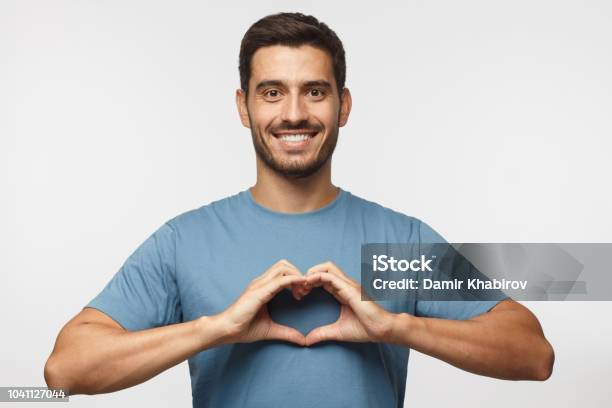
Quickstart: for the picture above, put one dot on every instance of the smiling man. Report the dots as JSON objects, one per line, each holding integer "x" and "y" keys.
{"x": 209, "y": 284}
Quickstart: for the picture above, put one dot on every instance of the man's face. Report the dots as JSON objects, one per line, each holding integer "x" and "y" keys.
{"x": 293, "y": 108}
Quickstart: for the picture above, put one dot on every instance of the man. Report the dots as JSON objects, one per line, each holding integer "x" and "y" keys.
{"x": 208, "y": 285}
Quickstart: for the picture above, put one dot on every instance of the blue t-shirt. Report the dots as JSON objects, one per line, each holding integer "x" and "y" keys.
{"x": 200, "y": 261}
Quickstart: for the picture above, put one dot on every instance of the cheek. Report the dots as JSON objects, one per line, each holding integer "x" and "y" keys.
{"x": 265, "y": 118}
{"x": 326, "y": 114}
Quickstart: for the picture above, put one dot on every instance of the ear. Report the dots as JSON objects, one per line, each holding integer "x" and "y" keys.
{"x": 346, "y": 103}
{"x": 241, "y": 104}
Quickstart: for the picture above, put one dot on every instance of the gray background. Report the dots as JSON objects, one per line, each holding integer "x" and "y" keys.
{"x": 488, "y": 120}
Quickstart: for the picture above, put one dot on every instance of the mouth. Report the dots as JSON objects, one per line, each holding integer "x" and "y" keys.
{"x": 295, "y": 139}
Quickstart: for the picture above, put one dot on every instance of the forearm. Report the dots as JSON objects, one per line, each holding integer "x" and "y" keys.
{"x": 92, "y": 358}
{"x": 501, "y": 344}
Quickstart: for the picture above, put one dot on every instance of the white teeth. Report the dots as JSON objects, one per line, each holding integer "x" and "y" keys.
{"x": 294, "y": 138}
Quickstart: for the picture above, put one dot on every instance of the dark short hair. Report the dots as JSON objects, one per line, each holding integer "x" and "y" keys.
{"x": 293, "y": 30}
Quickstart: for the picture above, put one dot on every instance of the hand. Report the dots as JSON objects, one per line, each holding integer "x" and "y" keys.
{"x": 359, "y": 321}
{"x": 247, "y": 319}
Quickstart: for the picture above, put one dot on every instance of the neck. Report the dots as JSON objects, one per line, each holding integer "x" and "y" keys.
{"x": 279, "y": 193}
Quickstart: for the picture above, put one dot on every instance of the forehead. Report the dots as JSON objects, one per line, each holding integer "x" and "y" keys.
{"x": 291, "y": 64}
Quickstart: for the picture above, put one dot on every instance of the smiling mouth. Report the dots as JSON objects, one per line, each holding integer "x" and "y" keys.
{"x": 295, "y": 137}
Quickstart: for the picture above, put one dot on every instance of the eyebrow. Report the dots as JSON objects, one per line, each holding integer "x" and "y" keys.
{"x": 274, "y": 82}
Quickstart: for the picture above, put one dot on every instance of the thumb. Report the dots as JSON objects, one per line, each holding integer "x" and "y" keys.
{"x": 282, "y": 332}
{"x": 323, "y": 333}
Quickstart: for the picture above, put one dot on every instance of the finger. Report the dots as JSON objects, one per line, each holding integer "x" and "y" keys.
{"x": 282, "y": 267}
{"x": 330, "y": 268}
{"x": 348, "y": 295}
{"x": 299, "y": 290}
{"x": 340, "y": 288}
{"x": 282, "y": 332}
{"x": 334, "y": 282}
{"x": 326, "y": 267}
{"x": 323, "y": 333}
{"x": 275, "y": 285}
{"x": 275, "y": 266}
{"x": 316, "y": 280}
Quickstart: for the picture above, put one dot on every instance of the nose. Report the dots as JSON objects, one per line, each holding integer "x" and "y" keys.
{"x": 294, "y": 109}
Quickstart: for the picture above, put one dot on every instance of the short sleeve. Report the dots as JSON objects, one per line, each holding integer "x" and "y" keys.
{"x": 448, "y": 309}
{"x": 143, "y": 293}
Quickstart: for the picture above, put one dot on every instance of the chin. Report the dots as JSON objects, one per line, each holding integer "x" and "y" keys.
{"x": 302, "y": 171}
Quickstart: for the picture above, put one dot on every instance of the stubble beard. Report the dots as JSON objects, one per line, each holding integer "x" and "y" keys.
{"x": 294, "y": 169}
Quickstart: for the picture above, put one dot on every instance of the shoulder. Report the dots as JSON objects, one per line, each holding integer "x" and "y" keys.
{"x": 205, "y": 214}
{"x": 378, "y": 210}
{"x": 393, "y": 218}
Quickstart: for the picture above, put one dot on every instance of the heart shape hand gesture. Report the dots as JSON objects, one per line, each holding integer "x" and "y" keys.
{"x": 248, "y": 320}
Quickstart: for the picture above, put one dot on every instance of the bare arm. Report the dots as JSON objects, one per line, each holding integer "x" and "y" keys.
{"x": 507, "y": 342}
{"x": 93, "y": 354}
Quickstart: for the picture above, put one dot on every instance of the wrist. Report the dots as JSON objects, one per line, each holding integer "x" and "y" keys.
{"x": 401, "y": 328}
{"x": 213, "y": 330}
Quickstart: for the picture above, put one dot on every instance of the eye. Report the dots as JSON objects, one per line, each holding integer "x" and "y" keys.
{"x": 272, "y": 93}
{"x": 317, "y": 93}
